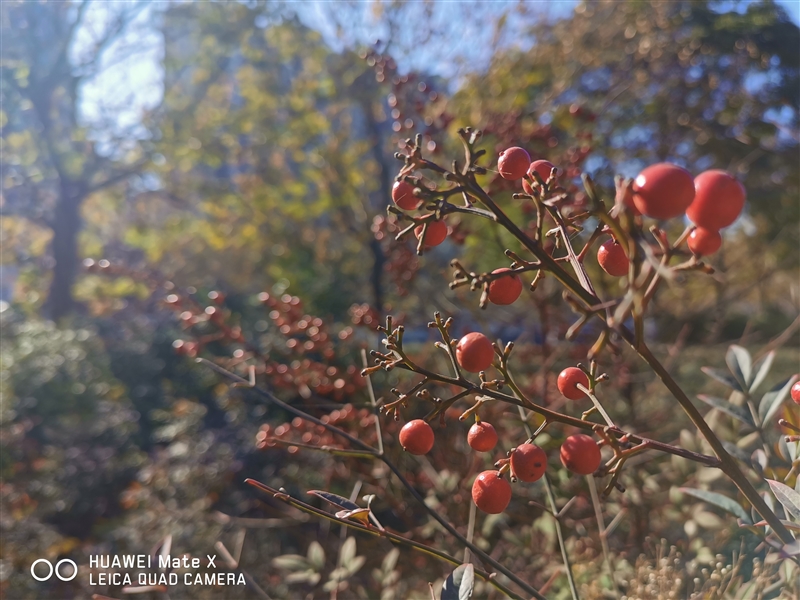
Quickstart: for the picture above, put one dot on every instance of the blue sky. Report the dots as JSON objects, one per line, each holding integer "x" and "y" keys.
{"x": 131, "y": 81}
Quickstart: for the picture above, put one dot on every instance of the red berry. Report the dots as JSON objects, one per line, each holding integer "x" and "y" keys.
{"x": 580, "y": 454}
{"x": 437, "y": 232}
{"x": 718, "y": 200}
{"x": 663, "y": 191}
{"x": 528, "y": 462}
{"x": 505, "y": 290}
{"x": 513, "y": 163}
{"x": 491, "y": 492}
{"x": 403, "y": 195}
{"x": 568, "y": 380}
{"x": 474, "y": 352}
{"x": 796, "y": 393}
{"x": 543, "y": 168}
{"x": 482, "y": 437}
{"x": 704, "y": 242}
{"x": 416, "y": 437}
{"x": 612, "y": 258}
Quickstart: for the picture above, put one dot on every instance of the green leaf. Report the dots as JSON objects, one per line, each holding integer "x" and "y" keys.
{"x": 737, "y": 412}
{"x": 348, "y": 551}
{"x": 316, "y": 556}
{"x": 390, "y": 560}
{"x": 291, "y": 562}
{"x": 741, "y": 365}
{"x": 309, "y": 577}
{"x": 772, "y": 400}
{"x": 722, "y": 377}
{"x": 759, "y": 461}
{"x": 459, "y": 584}
{"x": 354, "y": 565}
{"x": 786, "y": 450}
{"x": 761, "y": 370}
{"x": 727, "y": 504}
{"x": 787, "y": 497}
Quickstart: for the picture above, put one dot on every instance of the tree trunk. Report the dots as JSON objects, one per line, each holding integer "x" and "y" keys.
{"x": 385, "y": 192}
{"x": 64, "y": 248}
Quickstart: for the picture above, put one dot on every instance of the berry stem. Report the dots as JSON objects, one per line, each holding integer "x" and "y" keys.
{"x": 597, "y": 404}
{"x": 519, "y": 399}
{"x": 374, "y": 401}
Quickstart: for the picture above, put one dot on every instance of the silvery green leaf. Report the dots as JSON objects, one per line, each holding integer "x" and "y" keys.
{"x": 741, "y": 365}
{"x": 390, "y": 560}
{"x": 761, "y": 369}
{"x": 309, "y": 577}
{"x": 348, "y": 550}
{"x": 316, "y": 556}
{"x": 789, "y": 498}
{"x": 772, "y": 400}
{"x": 783, "y": 449}
{"x": 354, "y": 565}
{"x": 722, "y": 377}
{"x": 759, "y": 461}
{"x": 737, "y": 412}
{"x": 727, "y": 504}
{"x": 291, "y": 562}
{"x": 459, "y": 584}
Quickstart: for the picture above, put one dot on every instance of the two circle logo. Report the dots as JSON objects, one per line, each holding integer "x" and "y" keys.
{"x": 56, "y": 569}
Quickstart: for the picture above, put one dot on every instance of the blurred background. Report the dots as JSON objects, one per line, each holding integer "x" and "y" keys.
{"x": 174, "y": 170}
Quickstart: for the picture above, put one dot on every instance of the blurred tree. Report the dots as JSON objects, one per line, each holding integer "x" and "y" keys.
{"x": 53, "y": 162}
{"x": 620, "y": 85}
{"x": 702, "y": 84}
{"x": 276, "y": 166}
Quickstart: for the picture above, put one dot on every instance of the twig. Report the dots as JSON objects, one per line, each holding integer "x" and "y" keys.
{"x": 397, "y": 539}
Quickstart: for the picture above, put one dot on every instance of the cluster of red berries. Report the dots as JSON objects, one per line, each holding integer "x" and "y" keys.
{"x": 491, "y": 492}
{"x": 432, "y": 232}
{"x": 712, "y": 201}
{"x": 303, "y": 331}
{"x": 356, "y": 421}
{"x": 305, "y": 335}
{"x": 515, "y": 163}
{"x": 192, "y": 315}
{"x": 309, "y": 335}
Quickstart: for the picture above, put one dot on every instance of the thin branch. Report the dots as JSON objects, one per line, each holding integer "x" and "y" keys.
{"x": 486, "y": 558}
{"x": 551, "y": 499}
{"x": 287, "y": 407}
{"x": 601, "y": 528}
{"x": 397, "y": 539}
